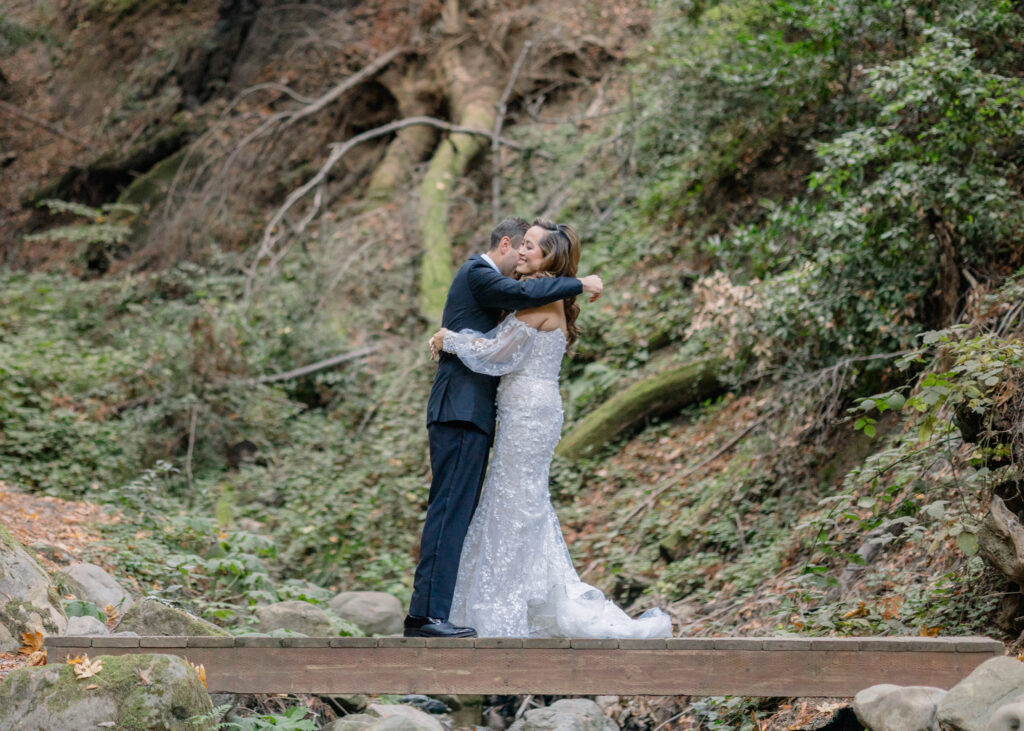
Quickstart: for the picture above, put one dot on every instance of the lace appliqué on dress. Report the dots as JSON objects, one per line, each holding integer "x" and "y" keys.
{"x": 500, "y": 351}
{"x": 516, "y": 578}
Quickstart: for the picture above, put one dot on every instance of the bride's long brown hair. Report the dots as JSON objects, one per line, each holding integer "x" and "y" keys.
{"x": 561, "y": 247}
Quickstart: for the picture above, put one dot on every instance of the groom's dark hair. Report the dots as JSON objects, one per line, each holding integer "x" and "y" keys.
{"x": 513, "y": 227}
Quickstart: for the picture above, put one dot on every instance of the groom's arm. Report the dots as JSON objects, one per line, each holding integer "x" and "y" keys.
{"x": 495, "y": 290}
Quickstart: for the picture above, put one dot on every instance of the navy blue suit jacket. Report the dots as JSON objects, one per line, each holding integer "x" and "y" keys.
{"x": 477, "y": 295}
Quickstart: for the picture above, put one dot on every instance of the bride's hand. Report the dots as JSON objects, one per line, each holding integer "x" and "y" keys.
{"x": 437, "y": 342}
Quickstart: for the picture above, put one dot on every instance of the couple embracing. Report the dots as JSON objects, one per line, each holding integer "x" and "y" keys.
{"x": 492, "y": 558}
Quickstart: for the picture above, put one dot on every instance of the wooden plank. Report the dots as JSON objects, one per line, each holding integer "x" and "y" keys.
{"x": 105, "y": 642}
{"x": 588, "y": 644}
{"x": 163, "y": 641}
{"x": 211, "y": 641}
{"x": 353, "y": 642}
{"x": 76, "y": 641}
{"x": 557, "y": 671}
{"x": 547, "y": 643}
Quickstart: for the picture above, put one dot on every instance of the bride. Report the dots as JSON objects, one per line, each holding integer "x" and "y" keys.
{"x": 516, "y": 578}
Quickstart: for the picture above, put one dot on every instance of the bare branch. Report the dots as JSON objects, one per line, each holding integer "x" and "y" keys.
{"x": 191, "y": 445}
{"x": 275, "y": 122}
{"x": 318, "y": 366}
{"x": 354, "y": 80}
{"x": 275, "y": 230}
{"x": 15, "y": 111}
{"x": 499, "y": 120}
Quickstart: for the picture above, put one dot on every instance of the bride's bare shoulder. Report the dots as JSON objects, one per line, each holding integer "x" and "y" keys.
{"x": 545, "y": 317}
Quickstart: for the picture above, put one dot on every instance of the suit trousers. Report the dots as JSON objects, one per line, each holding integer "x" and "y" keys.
{"x": 458, "y": 459}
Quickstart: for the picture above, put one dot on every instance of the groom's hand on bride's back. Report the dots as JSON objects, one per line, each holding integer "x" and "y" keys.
{"x": 592, "y": 285}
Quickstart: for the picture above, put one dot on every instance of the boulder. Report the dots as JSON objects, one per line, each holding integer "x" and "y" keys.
{"x": 90, "y": 583}
{"x": 374, "y": 612}
{"x": 136, "y": 692}
{"x": 570, "y": 714}
{"x": 403, "y": 718}
{"x": 1008, "y": 718}
{"x": 349, "y": 703}
{"x": 28, "y": 598}
{"x": 297, "y": 616}
{"x": 426, "y": 704}
{"x": 85, "y": 627}
{"x": 380, "y": 717}
{"x": 353, "y": 722}
{"x": 975, "y": 702}
{"x": 284, "y": 633}
{"x": 151, "y": 617}
{"x": 52, "y": 553}
{"x": 896, "y": 708}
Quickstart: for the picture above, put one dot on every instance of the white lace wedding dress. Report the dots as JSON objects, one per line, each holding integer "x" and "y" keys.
{"x": 515, "y": 576}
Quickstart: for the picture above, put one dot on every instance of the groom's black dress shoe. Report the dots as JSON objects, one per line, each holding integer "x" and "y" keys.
{"x": 429, "y": 627}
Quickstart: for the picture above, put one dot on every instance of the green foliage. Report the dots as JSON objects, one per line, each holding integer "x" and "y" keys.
{"x": 798, "y": 182}
{"x": 914, "y": 177}
{"x": 14, "y": 35}
{"x": 728, "y": 712}
{"x": 80, "y": 608}
{"x": 292, "y": 719}
{"x": 106, "y": 226}
{"x": 99, "y": 382}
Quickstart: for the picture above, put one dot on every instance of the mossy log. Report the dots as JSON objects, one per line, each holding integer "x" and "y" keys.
{"x": 658, "y": 395}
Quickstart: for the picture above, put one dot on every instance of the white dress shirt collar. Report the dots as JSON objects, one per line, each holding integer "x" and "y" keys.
{"x": 490, "y": 261}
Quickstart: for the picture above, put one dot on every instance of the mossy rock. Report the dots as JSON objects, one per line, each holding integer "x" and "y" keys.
{"x": 28, "y": 599}
{"x": 151, "y": 617}
{"x": 132, "y": 692}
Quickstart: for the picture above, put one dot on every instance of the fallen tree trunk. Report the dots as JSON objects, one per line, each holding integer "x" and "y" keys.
{"x": 659, "y": 395}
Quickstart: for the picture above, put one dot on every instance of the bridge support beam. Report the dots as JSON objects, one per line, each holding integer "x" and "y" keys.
{"x": 741, "y": 666}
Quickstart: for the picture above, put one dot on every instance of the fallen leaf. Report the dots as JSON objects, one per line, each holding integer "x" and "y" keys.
{"x": 91, "y": 687}
{"x": 927, "y": 631}
{"x": 112, "y": 614}
{"x": 37, "y": 658}
{"x": 77, "y": 659}
{"x": 860, "y": 611}
{"x": 107, "y": 724}
{"x": 87, "y": 669}
{"x": 143, "y": 677}
{"x": 33, "y": 642}
{"x": 892, "y": 608}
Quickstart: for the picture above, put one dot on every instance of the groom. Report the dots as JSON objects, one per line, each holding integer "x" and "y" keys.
{"x": 460, "y": 418}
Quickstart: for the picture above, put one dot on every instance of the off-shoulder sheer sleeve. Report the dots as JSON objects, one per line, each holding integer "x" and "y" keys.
{"x": 495, "y": 353}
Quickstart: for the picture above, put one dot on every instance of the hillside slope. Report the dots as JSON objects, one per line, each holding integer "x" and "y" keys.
{"x": 823, "y": 198}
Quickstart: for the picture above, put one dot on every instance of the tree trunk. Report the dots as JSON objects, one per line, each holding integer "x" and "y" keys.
{"x": 474, "y": 91}
{"x": 416, "y": 98}
{"x": 1001, "y": 540}
{"x": 659, "y": 395}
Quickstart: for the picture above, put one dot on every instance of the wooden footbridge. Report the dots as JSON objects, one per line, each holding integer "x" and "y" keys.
{"x": 742, "y": 666}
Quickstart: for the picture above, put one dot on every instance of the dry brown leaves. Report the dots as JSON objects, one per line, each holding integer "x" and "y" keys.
{"x": 63, "y": 524}
{"x": 86, "y": 668}
{"x": 33, "y": 642}
{"x": 33, "y": 648}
